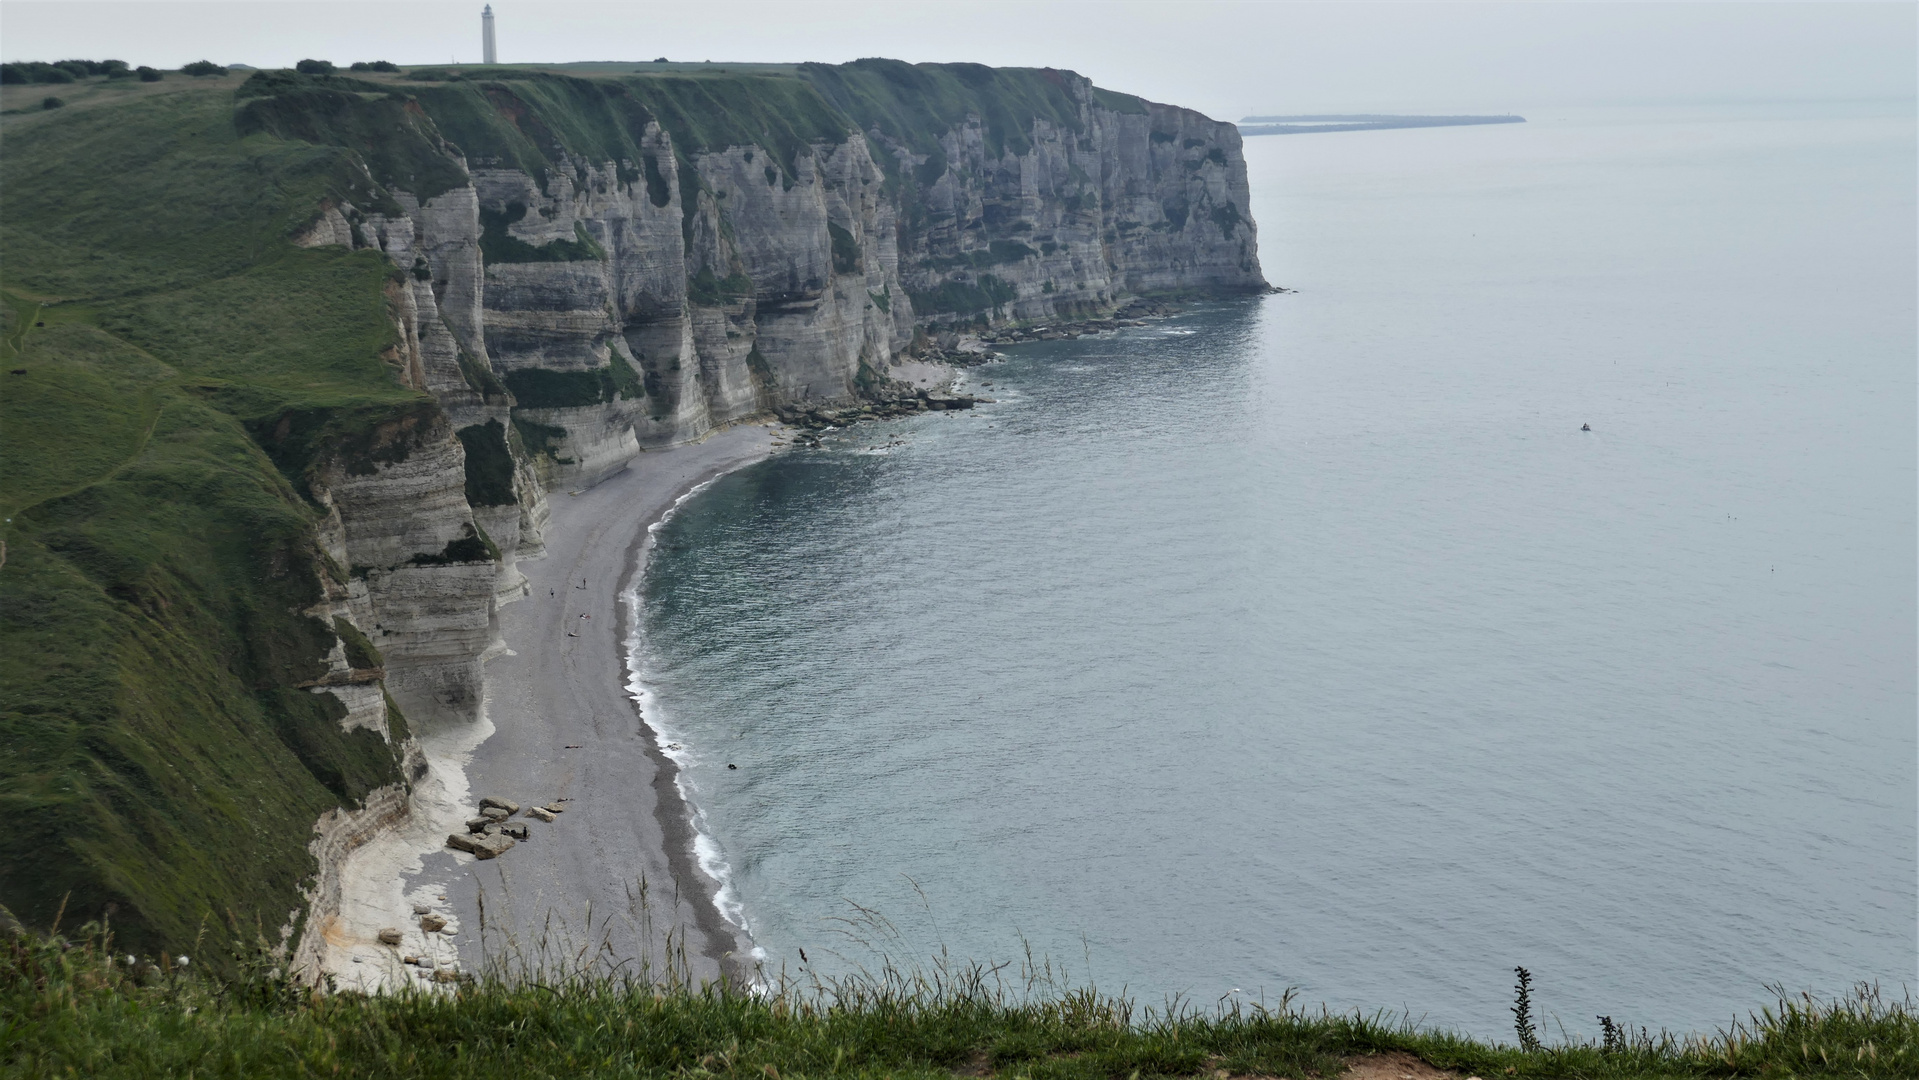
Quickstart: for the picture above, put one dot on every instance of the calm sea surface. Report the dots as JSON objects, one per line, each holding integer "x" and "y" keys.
{"x": 1306, "y": 641}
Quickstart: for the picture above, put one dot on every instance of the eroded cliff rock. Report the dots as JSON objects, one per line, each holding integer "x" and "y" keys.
{"x": 585, "y": 280}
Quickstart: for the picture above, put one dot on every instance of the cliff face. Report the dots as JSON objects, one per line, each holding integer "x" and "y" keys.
{"x": 532, "y": 277}
{"x": 645, "y": 272}
{"x": 1132, "y": 203}
{"x": 596, "y": 290}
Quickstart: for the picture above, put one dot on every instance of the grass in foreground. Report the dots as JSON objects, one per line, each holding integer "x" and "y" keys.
{"x": 76, "y": 1009}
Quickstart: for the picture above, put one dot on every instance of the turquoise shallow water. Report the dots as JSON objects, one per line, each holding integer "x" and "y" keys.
{"x": 1307, "y": 642}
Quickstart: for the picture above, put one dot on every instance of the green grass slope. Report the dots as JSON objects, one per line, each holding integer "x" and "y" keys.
{"x": 84, "y": 1015}
{"x": 913, "y": 104}
{"x": 156, "y": 762}
{"x": 529, "y": 118}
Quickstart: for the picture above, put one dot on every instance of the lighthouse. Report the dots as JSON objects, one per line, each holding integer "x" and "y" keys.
{"x": 486, "y": 35}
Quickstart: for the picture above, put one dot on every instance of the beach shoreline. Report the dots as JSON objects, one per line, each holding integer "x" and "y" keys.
{"x": 617, "y": 871}
{"x": 614, "y": 882}
{"x": 680, "y": 832}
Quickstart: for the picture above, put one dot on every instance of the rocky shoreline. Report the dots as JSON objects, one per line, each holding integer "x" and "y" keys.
{"x": 892, "y": 399}
{"x": 893, "y": 405}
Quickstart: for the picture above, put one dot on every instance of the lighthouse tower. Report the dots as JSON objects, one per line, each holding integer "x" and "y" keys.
{"x": 486, "y": 35}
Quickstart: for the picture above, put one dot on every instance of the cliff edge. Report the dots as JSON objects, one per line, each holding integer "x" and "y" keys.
{"x": 293, "y": 364}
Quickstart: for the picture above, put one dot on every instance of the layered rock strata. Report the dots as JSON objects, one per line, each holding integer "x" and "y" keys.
{"x": 567, "y": 305}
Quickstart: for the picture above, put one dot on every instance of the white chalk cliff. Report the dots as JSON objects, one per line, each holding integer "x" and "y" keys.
{"x": 564, "y": 320}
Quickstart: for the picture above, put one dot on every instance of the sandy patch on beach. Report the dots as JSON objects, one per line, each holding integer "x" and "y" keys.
{"x": 374, "y": 881}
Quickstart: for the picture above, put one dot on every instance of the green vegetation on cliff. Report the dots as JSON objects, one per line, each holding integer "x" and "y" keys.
{"x": 540, "y": 388}
{"x": 529, "y": 119}
{"x": 489, "y": 464}
{"x": 92, "y": 1019}
{"x": 914, "y": 104}
{"x": 989, "y": 293}
{"x": 497, "y": 245}
{"x": 382, "y": 126}
{"x": 176, "y": 369}
{"x": 157, "y": 758}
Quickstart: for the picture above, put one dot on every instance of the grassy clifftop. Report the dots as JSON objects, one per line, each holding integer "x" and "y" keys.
{"x": 156, "y": 761}
{"x": 913, "y": 104}
{"x": 527, "y": 118}
{"x": 94, "y": 1017}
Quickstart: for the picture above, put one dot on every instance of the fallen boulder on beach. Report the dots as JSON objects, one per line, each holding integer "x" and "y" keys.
{"x": 482, "y": 846}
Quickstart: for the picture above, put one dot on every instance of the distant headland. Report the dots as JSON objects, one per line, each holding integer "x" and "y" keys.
{"x": 1301, "y": 125}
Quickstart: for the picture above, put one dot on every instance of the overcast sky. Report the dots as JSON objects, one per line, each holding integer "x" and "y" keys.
{"x": 1227, "y": 58}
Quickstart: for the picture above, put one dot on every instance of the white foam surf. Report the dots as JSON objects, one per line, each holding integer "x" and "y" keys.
{"x": 707, "y": 850}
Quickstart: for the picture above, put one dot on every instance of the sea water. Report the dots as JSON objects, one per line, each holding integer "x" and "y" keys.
{"x": 1308, "y": 641}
